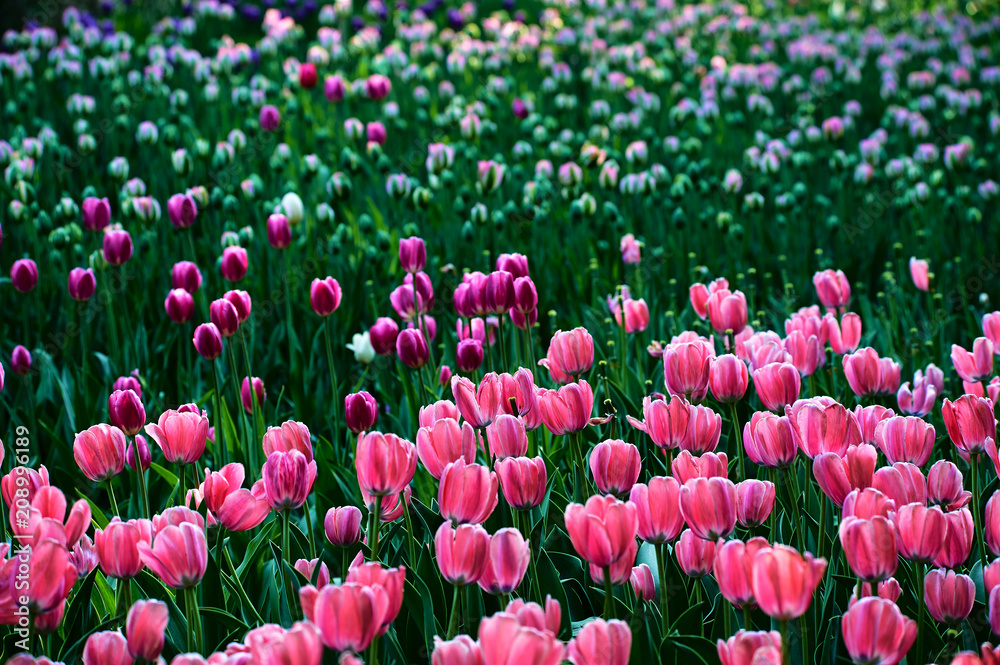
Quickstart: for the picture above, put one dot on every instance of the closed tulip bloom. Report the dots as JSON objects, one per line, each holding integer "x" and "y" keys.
{"x": 992, "y": 523}
{"x": 412, "y": 254}
{"x": 292, "y": 435}
{"x": 601, "y": 642}
{"x": 505, "y": 641}
{"x": 288, "y": 479}
{"x": 117, "y": 546}
{"x": 777, "y": 385}
{"x": 658, "y": 509}
{"x": 145, "y": 627}
{"x": 866, "y": 503}
{"x": 411, "y": 347}
{"x": 96, "y": 213}
{"x": 686, "y": 466}
{"x": 602, "y": 530}
{"x": 732, "y": 569}
{"x": 570, "y": 354}
{"x": 807, "y": 353}
{"x": 469, "y": 355}
{"x": 343, "y": 526}
{"x": 783, "y": 581}
{"x": 231, "y": 505}
{"x": 615, "y": 466}
{"x": 462, "y": 650}
{"x": 126, "y": 411}
{"x": 117, "y": 247}
{"x": 532, "y": 615}
{"x": 642, "y": 582}
{"x": 467, "y": 493}
{"x": 666, "y": 422}
{"x": 727, "y": 311}
{"x": 180, "y": 435}
{"x": 868, "y": 375}
{"x": 919, "y": 532}
{"x": 695, "y": 556}
{"x": 754, "y": 502}
{"x": 20, "y": 360}
{"x": 324, "y": 296}
{"x": 24, "y": 275}
{"x": 976, "y": 365}
{"x": 522, "y": 481}
{"x": 567, "y": 409}
{"x": 385, "y": 463}
{"x": 525, "y": 295}
{"x": 225, "y": 317}
{"x": 506, "y": 436}
{"x": 208, "y": 341}
{"x": 461, "y": 552}
{"x": 709, "y": 507}
{"x": 506, "y": 563}
{"x": 832, "y": 288}
{"x": 107, "y": 647}
{"x": 970, "y": 422}
{"x": 959, "y": 534}
{"x": 905, "y": 439}
{"x": 234, "y": 263}
{"x": 81, "y": 284}
{"x": 821, "y": 425}
{"x": 498, "y": 295}
{"x": 99, "y": 452}
{"x": 347, "y": 615}
{"x": 178, "y": 555}
{"x": 182, "y": 210}
{"x": 179, "y": 306}
{"x": 443, "y": 442}
{"x": 949, "y": 596}
{"x": 478, "y": 405}
{"x": 686, "y": 368}
{"x": 741, "y": 648}
{"x": 944, "y": 486}
{"x": 279, "y": 233}
{"x": 360, "y": 411}
{"x": 704, "y": 430}
{"x": 270, "y": 117}
{"x": 875, "y": 631}
{"x": 768, "y": 440}
{"x": 839, "y": 476}
{"x": 241, "y": 301}
{"x": 845, "y": 336}
{"x": 870, "y": 547}
{"x": 185, "y": 275}
{"x": 728, "y": 378}
{"x": 259, "y": 393}
{"x": 383, "y": 336}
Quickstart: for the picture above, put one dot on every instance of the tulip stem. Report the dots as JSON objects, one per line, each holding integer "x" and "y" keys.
{"x": 977, "y": 516}
{"x": 821, "y": 534}
{"x": 747, "y": 619}
{"x": 805, "y": 641}
{"x": 738, "y": 439}
{"x": 503, "y": 354}
{"x": 535, "y": 586}
{"x": 285, "y": 520}
{"x": 143, "y": 492}
{"x": 111, "y": 496}
{"x": 661, "y": 565}
{"x": 309, "y": 529}
{"x": 793, "y": 493}
{"x": 112, "y": 326}
{"x": 220, "y": 428}
{"x": 220, "y": 539}
{"x": 409, "y": 534}
{"x": 786, "y": 656}
{"x": 377, "y": 525}
{"x": 608, "y": 595}
{"x": 453, "y": 623}
{"x": 194, "y": 619}
{"x": 254, "y": 441}
{"x": 239, "y": 587}
{"x": 239, "y": 401}
{"x": 334, "y": 383}
{"x": 920, "y": 568}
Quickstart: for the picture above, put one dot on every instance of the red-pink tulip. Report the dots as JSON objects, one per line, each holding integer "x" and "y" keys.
{"x": 948, "y": 596}
{"x": 867, "y": 503}
{"x": 292, "y": 435}
{"x": 343, "y": 526}
{"x": 754, "y": 502}
{"x": 145, "y": 627}
{"x": 385, "y": 463}
{"x": 868, "y": 375}
{"x": 666, "y": 422}
{"x": 777, "y": 385}
{"x": 567, "y": 409}
{"x": 728, "y": 378}
{"x": 288, "y": 479}
{"x": 741, "y": 648}
{"x": 709, "y": 507}
{"x": 658, "y": 509}
{"x": 180, "y": 435}
{"x": 703, "y": 432}
{"x": 178, "y": 555}
{"x": 944, "y": 486}
{"x": 506, "y": 562}
{"x": 107, "y": 647}
{"x": 970, "y": 422}
{"x": 686, "y": 368}
{"x": 846, "y": 335}
{"x": 230, "y": 504}
{"x": 958, "y": 536}
{"x": 347, "y": 615}
{"x": 733, "y": 567}
{"x": 902, "y": 482}
{"x": 686, "y": 466}
{"x": 783, "y": 581}
{"x": 838, "y": 476}
{"x": 462, "y": 650}
{"x": 832, "y": 288}
{"x": 234, "y": 263}
{"x": 522, "y": 481}
{"x": 532, "y": 615}
{"x": 875, "y": 631}
{"x": 507, "y": 437}
{"x": 821, "y": 425}
{"x": 324, "y": 296}
{"x": 870, "y": 547}
{"x": 727, "y": 311}
{"x": 461, "y": 552}
{"x": 976, "y": 365}
{"x": 467, "y": 493}
{"x": 615, "y": 466}
{"x": 807, "y": 353}
{"x": 769, "y": 441}
{"x": 504, "y": 641}
{"x": 642, "y": 582}
{"x": 100, "y": 452}
{"x": 602, "y": 530}
{"x": 360, "y": 411}
{"x": 919, "y": 532}
{"x": 695, "y": 556}
{"x": 570, "y": 354}
{"x": 601, "y": 642}
{"x": 117, "y": 546}
{"x": 443, "y": 442}
{"x": 905, "y": 439}
{"x": 479, "y": 406}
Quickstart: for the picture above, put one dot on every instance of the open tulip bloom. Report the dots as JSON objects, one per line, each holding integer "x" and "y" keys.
{"x": 500, "y": 333}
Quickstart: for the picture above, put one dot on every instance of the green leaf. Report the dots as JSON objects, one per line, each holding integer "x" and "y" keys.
{"x": 266, "y": 532}
{"x": 79, "y": 615}
{"x": 96, "y": 514}
{"x": 171, "y": 478}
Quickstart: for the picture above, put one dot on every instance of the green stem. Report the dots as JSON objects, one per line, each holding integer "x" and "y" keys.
{"x": 920, "y": 567}
{"x": 821, "y": 534}
{"x": 409, "y": 535}
{"x": 738, "y": 437}
{"x": 254, "y": 439}
{"x": 661, "y": 564}
{"x": 747, "y": 619}
{"x": 285, "y": 520}
{"x": 786, "y": 656}
{"x": 977, "y": 516}
{"x": 377, "y": 518}
{"x": 111, "y": 496}
{"x": 239, "y": 402}
{"x": 141, "y": 473}
{"x": 453, "y": 623}
{"x": 220, "y": 437}
{"x": 500, "y": 340}
{"x": 608, "y": 595}
{"x": 535, "y": 586}
{"x": 334, "y": 383}
{"x": 309, "y": 529}
{"x": 805, "y": 641}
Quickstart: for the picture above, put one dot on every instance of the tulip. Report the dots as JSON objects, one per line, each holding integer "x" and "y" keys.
{"x": 126, "y": 411}
{"x": 976, "y": 365}
{"x": 665, "y": 422}
{"x": 391, "y": 581}
{"x": 704, "y": 429}
{"x": 443, "y": 442}
{"x": 958, "y": 536}
{"x": 754, "y": 502}
{"x": 783, "y": 581}
{"x": 241, "y": 301}
{"x": 324, "y": 296}
{"x": 505, "y": 641}
{"x": 867, "y": 503}
{"x": 20, "y": 360}
{"x": 179, "y": 306}
{"x": 145, "y": 627}
{"x": 279, "y": 233}
{"x": 902, "y": 482}
{"x": 905, "y": 439}
{"x": 970, "y": 422}
{"x": 686, "y": 466}
{"x": 182, "y": 210}
{"x": 208, "y": 341}
{"x": 412, "y": 254}
{"x": 117, "y": 546}
{"x": 522, "y": 481}
{"x": 686, "y": 369}
{"x": 875, "y": 631}
{"x": 642, "y": 582}
{"x": 615, "y": 466}
{"x": 838, "y": 476}
{"x": 230, "y": 504}
{"x": 601, "y": 530}
{"x": 832, "y": 288}
{"x": 732, "y": 569}
{"x": 601, "y": 642}
{"x": 742, "y": 647}
{"x": 461, "y": 552}
{"x": 360, "y": 411}
{"x": 117, "y": 247}
{"x": 506, "y": 436}
{"x": 383, "y": 336}
{"x": 96, "y": 213}
{"x": 846, "y": 335}
{"x": 807, "y": 353}
{"x": 570, "y": 354}
{"x": 234, "y": 263}
{"x": 385, "y": 463}
{"x": 695, "y": 555}
{"x": 467, "y": 493}
{"x": 728, "y": 378}
{"x": 290, "y": 436}
{"x": 108, "y": 647}
{"x": 225, "y": 317}
{"x": 821, "y": 425}
{"x": 944, "y": 486}
{"x": 868, "y": 375}
{"x": 270, "y": 117}
{"x": 181, "y": 436}
{"x": 347, "y": 615}
{"x": 507, "y": 562}
{"x": 769, "y": 440}
{"x": 258, "y": 391}
{"x": 24, "y": 275}
{"x": 178, "y": 555}
{"x": 948, "y": 596}
{"x": 99, "y": 452}
{"x": 777, "y": 385}
{"x": 919, "y": 532}
{"x": 709, "y": 507}
{"x": 411, "y": 347}
{"x": 870, "y": 547}
{"x": 343, "y": 526}
{"x": 81, "y": 284}
{"x": 566, "y": 410}
{"x": 658, "y": 509}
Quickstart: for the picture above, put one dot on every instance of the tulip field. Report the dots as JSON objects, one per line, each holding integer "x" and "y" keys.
{"x": 500, "y": 333}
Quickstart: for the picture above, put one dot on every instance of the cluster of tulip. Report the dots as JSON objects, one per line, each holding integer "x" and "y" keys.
{"x": 606, "y": 457}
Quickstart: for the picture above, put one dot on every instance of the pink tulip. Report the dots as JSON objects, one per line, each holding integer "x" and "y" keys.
{"x": 905, "y": 439}
{"x": 728, "y": 378}
{"x": 505, "y": 641}
{"x": 919, "y": 532}
{"x": 234, "y": 263}
{"x": 754, "y": 502}
{"x": 522, "y": 481}
{"x": 768, "y": 440}
{"x": 347, "y": 615}
{"x": 601, "y": 642}
{"x": 117, "y": 546}
{"x": 868, "y": 375}
{"x": 615, "y": 466}
{"x": 948, "y": 596}
{"x": 292, "y": 435}
{"x": 230, "y": 504}
{"x": 868, "y": 418}
{"x": 658, "y": 509}
{"x": 733, "y": 568}
{"x": 727, "y": 311}
{"x": 867, "y": 503}
{"x": 846, "y": 335}
{"x": 467, "y": 493}
{"x": 666, "y": 422}
{"x": 100, "y": 452}
{"x": 838, "y": 476}
{"x": 709, "y": 507}
{"x": 777, "y": 385}
{"x": 602, "y": 530}
{"x": 783, "y": 581}
{"x": 385, "y": 463}
{"x": 742, "y": 647}
{"x": 108, "y": 647}
{"x": 875, "y": 630}
{"x": 443, "y": 442}
{"x": 178, "y": 555}
{"x": 181, "y": 436}
{"x": 479, "y": 406}
{"x": 391, "y": 581}
{"x": 279, "y": 233}
{"x": 958, "y": 536}
{"x": 695, "y": 556}
{"x": 643, "y": 585}
{"x": 506, "y": 563}
{"x": 461, "y": 552}
{"x": 507, "y": 437}
{"x": 821, "y": 425}
{"x": 970, "y": 422}
{"x": 976, "y": 365}
{"x": 570, "y": 354}
{"x": 145, "y": 627}
{"x": 902, "y": 482}
{"x": 807, "y": 353}
{"x": 920, "y": 273}
{"x": 208, "y": 341}
{"x": 870, "y": 547}
{"x": 116, "y": 247}
{"x": 704, "y": 430}
{"x": 686, "y": 466}
{"x": 360, "y": 411}
{"x": 343, "y": 526}
{"x": 567, "y": 409}
{"x": 686, "y": 368}
{"x": 462, "y": 650}
{"x": 832, "y": 288}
